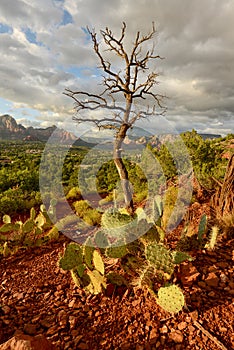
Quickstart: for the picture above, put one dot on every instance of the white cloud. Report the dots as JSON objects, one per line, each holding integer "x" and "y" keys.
{"x": 196, "y": 39}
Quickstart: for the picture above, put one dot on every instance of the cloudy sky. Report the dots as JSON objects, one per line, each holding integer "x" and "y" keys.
{"x": 44, "y": 48}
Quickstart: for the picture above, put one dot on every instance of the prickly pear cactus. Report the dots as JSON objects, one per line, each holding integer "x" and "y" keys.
{"x": 115, "y": 223}
{"x": 73, "y": 256}
{"x": 88, "y": 251}
{"x": 160, "y": 258}
{"x": 101, "y": 240}
{"x": 171, "y": 298}
{"x": 6, "y": 219}
{"x": 97, "y": 282}
{"x": 98, "y": 262}
{"x": 179, "y": 257}
{"x": 202, "y": 227}
{"x": 116, "y": 252}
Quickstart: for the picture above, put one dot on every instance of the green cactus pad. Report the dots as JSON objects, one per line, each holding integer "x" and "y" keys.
{"x": 116, "y": 252}
{"x": 53, "y": 233}
{"x": 171, "y": 298}
{"x": 114, "y": 222}
{"x": 150, "y": 236}
{"x": 32, "y": 213}
{"x": 97, "y": 280}
{"x": 101, "y": 240}
{"x": 73, "y": 256}
{"x": 160, "y": 258}
{"x": 76, "y": 278}
{"x": 6, "y": 219}
{"x": 202, "y": 227}
{"x": 40, "y": 220}
{"x": 179, "y": 257}
{"x": 28, "y": 226}
{"x": 116, "y": 279}
{"x": 88, "y": 250}
{"x": 7, "y": 228}
{"x": 98, "y": 262}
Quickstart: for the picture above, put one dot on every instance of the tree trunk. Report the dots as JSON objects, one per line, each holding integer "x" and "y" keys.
{"x": 123, "y": 174}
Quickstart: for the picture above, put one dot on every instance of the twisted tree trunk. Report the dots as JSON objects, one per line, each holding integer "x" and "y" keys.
{"x": 123, "y": 174}
{"x": 223, "y": 200}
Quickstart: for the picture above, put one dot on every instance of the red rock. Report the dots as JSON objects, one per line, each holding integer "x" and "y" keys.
{"x": 212, "y": 280}
{"x": 189, "y": 274}
{"x": 26, "y": 342}
{"x": 177, "y": 337}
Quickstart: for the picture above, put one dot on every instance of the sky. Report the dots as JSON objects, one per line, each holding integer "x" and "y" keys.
{"x": 44, "y": 49}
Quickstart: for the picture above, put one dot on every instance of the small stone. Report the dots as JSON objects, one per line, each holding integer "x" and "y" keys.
{"x": 72, "y": 303}
{"x": 78, "y": 339}
{"x": 212, "y": 280}
{"x": 222, "y": 264}
{"x": 6, "y": 309}
{"x": 153, "y": 336}
{"x": 83, "y": 346}
{"x": 182, "y": 325}
{"x": 191, "y": 329}
{"x": 30, "y": 329}
{"x": 202, "y": 284}
{"x": 139, "y": 347}
{"x": 22, "y": 341}
{"x": 52, "y": 330}
{"x": 18, "y": 296}
{"x": 212, "y": 294}
{"x": 72, "y": 321}
{"x": 46, "y": 322}
{"x": 194, "y": 315}
{"x": 177, "y": 337}
{"x": 163, "y": 329}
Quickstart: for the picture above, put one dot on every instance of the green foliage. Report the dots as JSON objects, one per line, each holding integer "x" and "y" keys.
{"x": 74, "y": 194}
{"x": 28, "y": 233}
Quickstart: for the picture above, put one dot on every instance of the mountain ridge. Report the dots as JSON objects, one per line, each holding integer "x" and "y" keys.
{"x": 11, "y": 130}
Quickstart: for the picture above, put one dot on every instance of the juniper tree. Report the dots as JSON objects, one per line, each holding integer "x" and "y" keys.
{"x": 134, "y": 80}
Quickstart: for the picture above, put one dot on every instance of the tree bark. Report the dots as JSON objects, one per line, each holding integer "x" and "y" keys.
{"x": 123, "y": 174}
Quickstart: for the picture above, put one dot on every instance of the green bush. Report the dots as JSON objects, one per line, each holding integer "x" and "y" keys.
{"x": 92, "y": 217}
{"x": 74, "y": 193}
{"x": 81, "y": 207}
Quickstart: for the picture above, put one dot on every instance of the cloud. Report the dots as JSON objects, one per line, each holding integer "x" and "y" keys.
{"x": 44, "y": 49}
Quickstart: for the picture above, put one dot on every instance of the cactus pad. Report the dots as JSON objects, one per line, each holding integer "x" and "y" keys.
{"x": 72, "y": 257}
{"x": 160, "y": 258}
{"x": 171, "y": 298}
{"x": 98, "y": 262}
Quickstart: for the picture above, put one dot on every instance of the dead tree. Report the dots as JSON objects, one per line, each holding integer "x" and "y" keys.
{"x": 130, "y": 83}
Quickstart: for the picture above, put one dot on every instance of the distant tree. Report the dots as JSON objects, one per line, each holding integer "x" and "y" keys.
{"x": 132, "y": 80}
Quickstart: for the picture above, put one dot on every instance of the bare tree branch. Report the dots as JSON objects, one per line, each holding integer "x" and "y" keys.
{"x": 130, "y": 82}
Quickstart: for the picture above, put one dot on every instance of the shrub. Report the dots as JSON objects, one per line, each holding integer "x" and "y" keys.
{"x": 92, "y": 217}
{"x": 74, "y": 193}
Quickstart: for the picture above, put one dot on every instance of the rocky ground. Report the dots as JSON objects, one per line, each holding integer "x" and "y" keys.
{"x": 36, "y": 297}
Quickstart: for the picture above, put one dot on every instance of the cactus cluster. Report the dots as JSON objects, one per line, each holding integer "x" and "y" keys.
{"x": 86, "y": 266}
{"x": 27, "y": 233}
{"x": 170, "y": 298}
